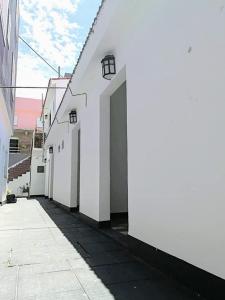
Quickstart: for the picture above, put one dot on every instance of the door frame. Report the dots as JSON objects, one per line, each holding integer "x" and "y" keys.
{"x": 104, "y": 157}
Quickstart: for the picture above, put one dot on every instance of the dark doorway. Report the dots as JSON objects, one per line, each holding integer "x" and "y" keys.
{"x": 118, "y": 159}
{"x": 78, "y": 170}
{"x": 14, "y": 145}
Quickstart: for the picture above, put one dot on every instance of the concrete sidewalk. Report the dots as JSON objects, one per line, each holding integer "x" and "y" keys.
{"x": 46, "y": 253}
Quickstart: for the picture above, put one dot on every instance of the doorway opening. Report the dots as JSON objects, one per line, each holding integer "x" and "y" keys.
{"x": 50, "y": 176}
{"x": 78, "y": 170}
{"x": 75, "y": 169}
{"x": 118, "y": 160}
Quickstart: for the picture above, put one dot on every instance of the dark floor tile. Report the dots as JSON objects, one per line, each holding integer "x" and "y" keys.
{"x": 148, "y": 290}
{"x": 100, "y": 247}
{"x": 107, "y": 258}
{"x": 124, "y": 272}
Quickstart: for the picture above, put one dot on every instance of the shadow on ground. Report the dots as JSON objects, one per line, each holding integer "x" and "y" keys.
{"x": 105, "y": 269}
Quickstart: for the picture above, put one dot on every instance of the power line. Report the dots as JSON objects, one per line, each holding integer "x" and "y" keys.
{"x": 32, "y": 87}
{"x": 57, "y": 71}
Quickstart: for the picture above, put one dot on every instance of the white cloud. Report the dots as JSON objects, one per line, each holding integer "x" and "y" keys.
{"x": 49, "y": 27}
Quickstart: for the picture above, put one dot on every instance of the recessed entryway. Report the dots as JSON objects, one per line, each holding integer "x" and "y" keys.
{"x": 75, "y": 168}
{"x": 118, "y": 160}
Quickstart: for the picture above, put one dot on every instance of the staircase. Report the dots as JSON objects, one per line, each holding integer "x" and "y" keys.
{"x": 19, "y": 169}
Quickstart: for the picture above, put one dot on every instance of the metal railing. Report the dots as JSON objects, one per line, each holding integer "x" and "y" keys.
{"x": 14, "y": 150}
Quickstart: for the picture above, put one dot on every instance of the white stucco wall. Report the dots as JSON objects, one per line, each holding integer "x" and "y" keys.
{"x": 171, "y": 55}
{"x": 37, "y": 183}
{"x": 176, "y": 118}
{"x": 5, "y": 133}
{"x": 62, "y": 166}
{"x": 17, "y": 184}
{"x": 53, "y": 99}
{"x": 4, "y": 148}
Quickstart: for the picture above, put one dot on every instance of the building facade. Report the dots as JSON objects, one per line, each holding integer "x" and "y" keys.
{"x": 9, "y": 28}
{"x": 25, "y": 170}
{"x": 149, "y": 142}
{"x": 26, "y": 120}
{"x": 53, "y": 99}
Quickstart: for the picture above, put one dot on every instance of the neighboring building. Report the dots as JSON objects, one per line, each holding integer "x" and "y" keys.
{"x": 53, "y": 99}
{"x": 26, "y": 148}
{"x": 149, "y": 142}
{"x": 9, "y": 28}
{"x": 26, "y": 120}
{"x": 28, "y": 140}
{"x": 54, "y": 95}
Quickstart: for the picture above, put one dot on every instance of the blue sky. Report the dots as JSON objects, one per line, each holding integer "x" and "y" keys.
{"x": 56, "y": 29}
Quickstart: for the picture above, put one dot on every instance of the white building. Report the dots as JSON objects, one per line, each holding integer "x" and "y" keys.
{"x": 53, "y": 99}
{"x": 9, "y": 19}
{"x": 150, "y": 141}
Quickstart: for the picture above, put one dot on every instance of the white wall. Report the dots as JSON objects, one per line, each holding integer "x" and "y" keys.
{"x": 176, "y": 121}
{"x": 53, "y": 100}
{"x": 62, "y": 166}
{"x": 5, "y": 133}
{"x": 173, "y": 54}
{"x": 15, "y": 186}
{"x": 37, "y": 183}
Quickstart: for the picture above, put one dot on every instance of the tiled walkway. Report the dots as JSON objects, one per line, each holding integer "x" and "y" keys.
{"x": 48, "y": 254}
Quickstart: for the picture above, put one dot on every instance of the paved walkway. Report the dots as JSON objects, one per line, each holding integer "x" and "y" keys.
{"x": 48, "y": 254}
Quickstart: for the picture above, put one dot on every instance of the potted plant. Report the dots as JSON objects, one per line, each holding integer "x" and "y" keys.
{"x": 10, "y": 198}
{"x": 25, "y": 189}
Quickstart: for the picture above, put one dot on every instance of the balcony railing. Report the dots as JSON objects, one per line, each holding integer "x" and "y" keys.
{"x": 14, "y": 150}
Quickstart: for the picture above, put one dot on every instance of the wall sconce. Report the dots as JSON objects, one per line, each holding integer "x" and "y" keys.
{"x": 73, "y": 116}
{"x": 108, "y": 67}
{"x": 50, "y": 150}
{"x": 46, "y": 116}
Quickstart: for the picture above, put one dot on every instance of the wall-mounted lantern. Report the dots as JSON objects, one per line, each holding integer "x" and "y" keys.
{"x": 45, "y": 160}
{"x": 108, "y": 67}
{"x": 46, "y": 116}
{"x": 50, "y": 150}
{"x": 73, "y": 116}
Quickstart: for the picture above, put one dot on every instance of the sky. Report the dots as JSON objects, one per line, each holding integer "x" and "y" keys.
{"x": 56, "y": 29}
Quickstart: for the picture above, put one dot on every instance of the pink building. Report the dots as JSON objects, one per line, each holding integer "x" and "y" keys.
{"x": 27, "y": 113}
{"x": 26, "y": 120}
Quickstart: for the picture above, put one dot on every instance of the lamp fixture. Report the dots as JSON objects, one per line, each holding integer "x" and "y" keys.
{"x": 108, "y": 67}
{"x": 50, "y": 150}
{"x": 73, "y": 116}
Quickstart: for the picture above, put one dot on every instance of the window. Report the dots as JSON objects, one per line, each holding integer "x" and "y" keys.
{"x": 9, "y": 29}
{"x": 6, "y": 165}
{"x": 38, "y": 139}
{"x": 15, "y": 121}
{"x": 13, "y": 76}
{"x": 4, "y": 10}
{"x": 59, "y": 148}
{"x": 40, "y": 169}
{"x": 14, "y": 145}
{"x": 50, "y": 121}
{"x": 39, "y": 123}
{"x": 62, "y": 144}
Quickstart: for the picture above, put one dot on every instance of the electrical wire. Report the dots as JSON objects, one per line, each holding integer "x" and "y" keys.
{"x": 57, "y": 71}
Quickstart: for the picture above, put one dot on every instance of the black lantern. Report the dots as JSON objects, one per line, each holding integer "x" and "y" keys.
{"x": 73, "y": 116}
{"x": 46, "y": 116}
{"x": 50, "y": 150}
{"x": 108, "y": 67}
